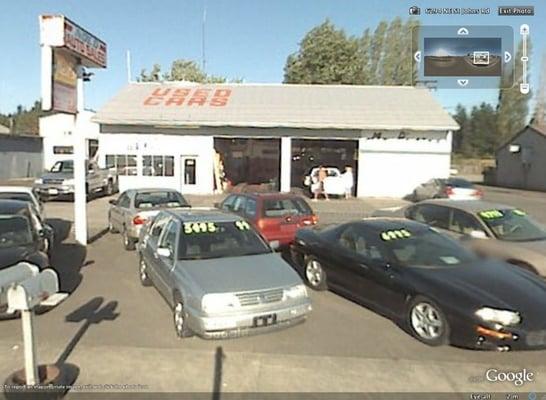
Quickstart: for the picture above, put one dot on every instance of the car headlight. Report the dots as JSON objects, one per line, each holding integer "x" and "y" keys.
{"x": 503, "y": 317}
{"x": 219, "y": 302}
{"x": 39, "y": 181}
{"x": 295, "y": 292}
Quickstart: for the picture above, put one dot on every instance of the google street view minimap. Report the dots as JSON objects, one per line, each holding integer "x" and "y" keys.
{"x": 311, "y": 199}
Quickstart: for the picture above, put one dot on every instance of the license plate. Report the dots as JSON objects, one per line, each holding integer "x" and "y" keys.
{"x": 53, "y": 191}
{"x": 264, "y": 320}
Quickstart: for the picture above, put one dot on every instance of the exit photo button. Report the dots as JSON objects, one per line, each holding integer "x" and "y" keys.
{"x": 516, "y": 10}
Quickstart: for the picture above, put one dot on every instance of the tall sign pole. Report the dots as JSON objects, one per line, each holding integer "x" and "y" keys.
{"x": 66, "y": 50}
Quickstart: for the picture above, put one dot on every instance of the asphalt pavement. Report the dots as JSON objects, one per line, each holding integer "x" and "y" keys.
{"x": 118, "y": 332}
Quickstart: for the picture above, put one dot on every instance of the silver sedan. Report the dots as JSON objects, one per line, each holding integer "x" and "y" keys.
{"x": 130, "y": 211}
{"x": 219, "y": 276}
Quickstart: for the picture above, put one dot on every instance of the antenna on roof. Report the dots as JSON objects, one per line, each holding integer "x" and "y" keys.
{"x": 203, "y": 59}
{"x": 129, "y": 79}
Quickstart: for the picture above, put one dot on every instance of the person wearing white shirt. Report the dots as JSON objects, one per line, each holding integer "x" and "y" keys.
{"x": 348, "y": 181}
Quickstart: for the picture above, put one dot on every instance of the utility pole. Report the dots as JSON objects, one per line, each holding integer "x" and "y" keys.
{"x": 203, "y": 57}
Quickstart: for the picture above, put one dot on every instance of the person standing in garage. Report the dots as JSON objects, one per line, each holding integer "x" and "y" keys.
{"x": 348, "y": 181}
{"x": 322, "y": 174}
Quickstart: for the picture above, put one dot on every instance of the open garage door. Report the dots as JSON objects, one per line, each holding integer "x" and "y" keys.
{"x": 250, "y": 161}
{"x": 310, "y": 153}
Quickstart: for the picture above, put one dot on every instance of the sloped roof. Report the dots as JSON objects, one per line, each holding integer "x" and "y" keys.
{"x": 540, "y": 129}
{"x": 276, "y": 105}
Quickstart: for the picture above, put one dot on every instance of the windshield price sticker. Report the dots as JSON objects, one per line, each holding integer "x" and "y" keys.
{"x": 395, "y": 234}
{"x": 191, "y": 228}
{"x": 242, "y": 225}
{"x": 491, "y": 214}
{"x": 520, "y": 213}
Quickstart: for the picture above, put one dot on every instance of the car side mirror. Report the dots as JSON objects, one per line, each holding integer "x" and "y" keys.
{"x": 164, "y": 252}
{"x": 113, "y": 202}
{"x": 477, "y": 235}
{"x": 275, "y": 244}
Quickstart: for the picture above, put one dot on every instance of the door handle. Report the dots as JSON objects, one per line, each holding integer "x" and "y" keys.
{"x": 364, "y": 266}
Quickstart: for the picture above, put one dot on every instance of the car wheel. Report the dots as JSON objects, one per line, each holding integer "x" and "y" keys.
{"x": 128, "y": 243}
{"x": 143, "y": 273}
{"x": 314, "y": 274}
{"x": 427, "y": 322}
{"x": 181, "y": 321}
{"x": 109, "y": 189}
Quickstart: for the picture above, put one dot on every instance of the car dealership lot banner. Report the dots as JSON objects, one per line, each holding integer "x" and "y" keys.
{"x": 65, "y": 47}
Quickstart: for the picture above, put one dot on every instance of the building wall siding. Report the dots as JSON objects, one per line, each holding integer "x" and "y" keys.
{"x": 511, "y": 171}
{"x": 20, "y": 156}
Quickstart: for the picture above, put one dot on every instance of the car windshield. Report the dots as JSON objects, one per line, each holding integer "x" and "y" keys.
{"x": 15, "y": 196}
{"x": 512, "y": 225}
{"x": 160, "y": 198}
{"x": 14, "y": 231}
{"x": 63, "y": 166}
{"x": 428, "y": 248}
{"x": 205, "y": 240}
{"x": 459, "y": 183}
{"x": 282, "y": 207}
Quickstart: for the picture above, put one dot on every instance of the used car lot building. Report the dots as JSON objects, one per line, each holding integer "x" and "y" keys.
{"x": 190, "y": 137}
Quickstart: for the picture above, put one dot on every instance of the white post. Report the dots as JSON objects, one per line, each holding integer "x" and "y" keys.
{"x": 80, "y": 197}
{"x": 286, "y": 163}
{"x": 31, "y": 369}
{"x": 359, "y": 175}
{"x": 47, "y": 65}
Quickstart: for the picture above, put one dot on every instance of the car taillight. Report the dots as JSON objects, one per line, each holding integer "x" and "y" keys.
{"x": 449, "y": 191}
{"x": 139, "y": 220}
{"x": 314, "y": 219}
{"x": 478, "y": 193}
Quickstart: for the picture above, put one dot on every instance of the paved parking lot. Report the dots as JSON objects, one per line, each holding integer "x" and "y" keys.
{"x": 118, "y": 332}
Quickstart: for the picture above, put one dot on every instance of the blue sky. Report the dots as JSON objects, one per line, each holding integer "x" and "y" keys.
{"x": 245, "y": 38}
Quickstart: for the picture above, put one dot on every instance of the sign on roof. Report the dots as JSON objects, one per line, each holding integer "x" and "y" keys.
{"x": 175, "y": 97}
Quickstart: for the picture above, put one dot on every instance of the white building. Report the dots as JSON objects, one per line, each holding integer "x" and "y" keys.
{"x": 57, "y": 133}
{"x": 167, "y": 134}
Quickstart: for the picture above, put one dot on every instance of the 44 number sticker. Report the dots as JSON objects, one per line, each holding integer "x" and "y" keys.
{"x": 242, "y": 225}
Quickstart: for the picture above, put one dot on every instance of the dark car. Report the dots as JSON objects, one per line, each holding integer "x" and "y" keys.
{"x": 439, "y": 291}
{"x": 21, "y": 238}
{"x": 276, "y": 216}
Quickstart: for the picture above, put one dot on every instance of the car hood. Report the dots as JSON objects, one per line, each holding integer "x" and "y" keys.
{"x": 489, "y": 283}
{"x": 12, "y": 255}
{"x": 239, "y": 274}
{"x": 58, "y": 175}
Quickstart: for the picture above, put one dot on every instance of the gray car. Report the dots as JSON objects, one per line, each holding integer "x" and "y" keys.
{"x": 491, "y": 229}
{"x": 130, "y": 211}
{"x": 220, "y": 277}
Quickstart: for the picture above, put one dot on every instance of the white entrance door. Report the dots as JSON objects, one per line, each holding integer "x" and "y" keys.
{"x": 188, "y": 174}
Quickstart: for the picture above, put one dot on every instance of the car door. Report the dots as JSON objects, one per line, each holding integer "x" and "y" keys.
{"x": 369, "y": 277}
{"x": 150, "y": 243}
{"x": 462, "y": 224}
{"x": 93, "y": 177}
{"x": 116, "y": 212}
{"x": 165, "y": 265}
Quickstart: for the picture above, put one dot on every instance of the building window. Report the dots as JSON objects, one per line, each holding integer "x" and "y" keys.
{"x": 189, "y": 171}
{"x": 158, "y": 166}
{"x": 63, "y": 150}
{"x": 124, "y": 164}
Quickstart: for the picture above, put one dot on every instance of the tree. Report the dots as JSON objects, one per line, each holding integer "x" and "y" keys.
{"x": 483, "y": 128}
{"x": 513, "y": 106}
{"x": 326, "y": 56}
{"x": 24, "y": 121}
{"x": 182, "y": 70}
{"x": 459, "y": 136}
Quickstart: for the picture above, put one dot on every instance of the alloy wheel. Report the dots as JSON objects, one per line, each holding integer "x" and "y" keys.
{"x": 313, "y": 272}
{"x": 426, "y": 321}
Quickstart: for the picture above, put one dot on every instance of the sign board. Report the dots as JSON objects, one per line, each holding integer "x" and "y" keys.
{"x": 65, "y": 80}
{"x": 59, "y": 31}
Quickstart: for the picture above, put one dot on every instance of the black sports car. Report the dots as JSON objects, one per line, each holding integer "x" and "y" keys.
{"x": 427, "y": 282}
{"x": 22, "y": 238}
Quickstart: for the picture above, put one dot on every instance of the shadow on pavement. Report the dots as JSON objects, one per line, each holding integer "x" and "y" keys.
{"x": 67, "y": 260}
{"x": 61, "y": 228}
{"x": 92, "y": 312}
{"x": 98, "y": 235}
{"x": 219, "y": 358}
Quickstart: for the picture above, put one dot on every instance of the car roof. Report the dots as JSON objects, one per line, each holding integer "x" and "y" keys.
{"x": 473, "y": 206}
{"x": 12, "y": 206}
{"x": 153, "y": 189}
{"x": 203, "y": 214}
{"x": 269, "y": 195}
{"x": 381, "y": 224}
{"x": 16, "y": 189}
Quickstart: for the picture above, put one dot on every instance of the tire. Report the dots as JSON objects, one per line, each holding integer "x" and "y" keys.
{"x": 427, "y": 322}
{"x": 180, "y": 319}
{"x": 314, "y": 274}
{"x": 109, "y": 188}
{"x": 128, "y": 243}
{"x": 142, "y": 273}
